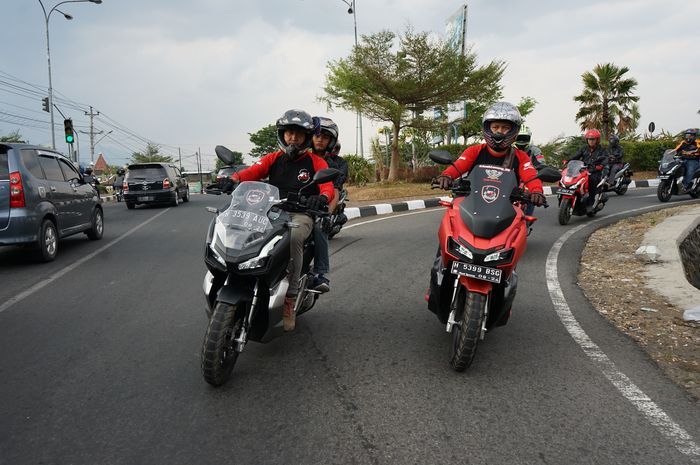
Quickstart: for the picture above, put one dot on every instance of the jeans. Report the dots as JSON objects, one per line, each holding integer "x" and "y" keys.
{"x": 321, "y": 259}
{"x": 691, "y": 164}
{"x": 296, "y": 253}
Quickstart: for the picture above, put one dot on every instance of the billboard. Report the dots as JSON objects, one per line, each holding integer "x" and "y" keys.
{"x": 456, "y": 30}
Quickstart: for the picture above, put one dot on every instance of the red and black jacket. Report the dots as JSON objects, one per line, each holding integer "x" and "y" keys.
{"x": 288, "y": 175}
{"x": 483, "y": 155}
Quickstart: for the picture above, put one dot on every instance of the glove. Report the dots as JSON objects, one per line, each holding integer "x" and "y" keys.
{"x": 537, "y": 199}
{"x": 227, "y": 185}
{"x": 317, "y": 202}
{"x": 445, "y": 182}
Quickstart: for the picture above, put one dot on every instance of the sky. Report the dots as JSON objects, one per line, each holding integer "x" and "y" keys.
{"x": 193, "y": 75}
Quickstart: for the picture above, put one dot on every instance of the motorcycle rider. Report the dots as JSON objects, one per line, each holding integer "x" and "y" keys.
{"x": 501, "y": 125}
{"x": 118, "y": 180}
{"x": 615, "y": 155}
{"x": 290, "y": 169}
{"x": 522, "y": 141}
{"x": 324, "y": 144}
{"x": 91, "y": 179}
{"x": 594, "y": 156}
{"x": 689, "y": 152}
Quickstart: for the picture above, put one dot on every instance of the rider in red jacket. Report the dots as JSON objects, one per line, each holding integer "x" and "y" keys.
{"x": 502, "y": 123}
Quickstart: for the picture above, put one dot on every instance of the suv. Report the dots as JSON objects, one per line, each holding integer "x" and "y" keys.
{"x": 43, "y": 198}
{"x": 155, "y": 183}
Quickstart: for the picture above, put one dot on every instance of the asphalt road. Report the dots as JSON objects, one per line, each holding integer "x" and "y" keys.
{"x": 100, "y": 360}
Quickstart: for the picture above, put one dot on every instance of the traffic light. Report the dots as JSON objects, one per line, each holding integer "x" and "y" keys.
{"x": 68, "y": 126}
{"x": 45, "y": 104}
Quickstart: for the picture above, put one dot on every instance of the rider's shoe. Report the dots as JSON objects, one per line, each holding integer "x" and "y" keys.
{"x": 288, "y": 316}
{"x": 321, "y": 283}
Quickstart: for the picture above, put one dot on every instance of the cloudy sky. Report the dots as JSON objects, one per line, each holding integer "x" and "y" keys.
{"x": 196, "y": 74}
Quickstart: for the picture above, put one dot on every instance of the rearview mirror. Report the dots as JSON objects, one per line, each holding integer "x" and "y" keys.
{"x": 549, "y": 174}
{"x": 224, "y": 154}
{"x": 326, "y": 175}
{"x": 441, "y": 157}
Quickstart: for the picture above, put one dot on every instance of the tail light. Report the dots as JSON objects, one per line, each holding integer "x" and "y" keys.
{"x": 16, "y": 190}
{"x": 166, "y": 183}
{"x": 125, "y": 186}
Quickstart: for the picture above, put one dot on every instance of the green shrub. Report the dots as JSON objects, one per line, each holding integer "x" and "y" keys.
{"x": 360, "y": 170}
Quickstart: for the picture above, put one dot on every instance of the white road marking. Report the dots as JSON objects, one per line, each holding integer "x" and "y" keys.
{"x": 43, "y": 283}
{"x": 653, "y": 413}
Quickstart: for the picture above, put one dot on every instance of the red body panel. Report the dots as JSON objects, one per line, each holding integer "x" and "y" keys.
{"x": 569, "y": 181}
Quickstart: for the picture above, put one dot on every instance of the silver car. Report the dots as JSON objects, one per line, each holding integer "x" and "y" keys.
{"x": 43, "y": 198}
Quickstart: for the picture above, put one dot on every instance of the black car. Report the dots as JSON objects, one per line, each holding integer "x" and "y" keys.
{"x": 43, "y": 198}
{"x": 155, "y": 183}
{"x": 227, "y": 171}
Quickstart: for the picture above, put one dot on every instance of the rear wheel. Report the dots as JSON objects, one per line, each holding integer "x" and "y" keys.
{"x": 218, "y": 349}
{"x": 130, "y": 205}
{"x": 175, "y": 202}
{"x": 466, "y": 333}
{"x": 621, "y": 190}
{"x": 565, "y": 211}
{"x": 663, "y": 192}
{"x": 98, "y": 225}
{"x": 47, "y": 246}
{"x": 186, "y": 198}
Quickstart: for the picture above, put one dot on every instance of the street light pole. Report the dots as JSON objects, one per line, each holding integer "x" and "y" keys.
{"x": 358, "y": 128}
{"x": 47, "y": 16}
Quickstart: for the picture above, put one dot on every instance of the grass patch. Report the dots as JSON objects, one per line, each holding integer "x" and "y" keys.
{"x": 386, "y": 191}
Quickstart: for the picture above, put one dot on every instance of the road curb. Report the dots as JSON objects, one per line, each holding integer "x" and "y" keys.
{"x": 386, "y": 208}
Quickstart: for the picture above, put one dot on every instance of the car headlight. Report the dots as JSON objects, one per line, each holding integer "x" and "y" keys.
{"x": 458, "y": 250}
{"x": 500, "y": 256}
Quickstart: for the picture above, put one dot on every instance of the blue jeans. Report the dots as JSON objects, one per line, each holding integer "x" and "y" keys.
{"x": 322, "y": 262}
{"x": 691, "y": 164}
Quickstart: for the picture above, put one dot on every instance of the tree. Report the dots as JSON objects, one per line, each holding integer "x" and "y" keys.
{"x": 237, "y": 160}
{"x": 398, "y": 83}
{"x": 607, "y": 100}
{"x": 14, "y": 136}
{"x": 151, "y": 154}
{"x": 265, "y": 141}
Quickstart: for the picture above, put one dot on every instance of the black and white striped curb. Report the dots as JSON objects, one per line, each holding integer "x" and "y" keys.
{"x": 385, "y": 208}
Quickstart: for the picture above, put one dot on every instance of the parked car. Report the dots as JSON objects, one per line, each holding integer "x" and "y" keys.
{"x": 155, "y": 183}
{"x": 44, "y": 198}
{"x": 227, "y": 171}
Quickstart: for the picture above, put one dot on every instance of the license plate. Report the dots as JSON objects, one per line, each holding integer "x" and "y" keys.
{"x": 565, "y": 191}
{"x": 145, "y": 198}
{"x": 483, "y": 273}
{"x": 664, "y": 177}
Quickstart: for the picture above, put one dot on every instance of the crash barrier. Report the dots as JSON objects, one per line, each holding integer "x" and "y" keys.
{"x": 689, "y": 249}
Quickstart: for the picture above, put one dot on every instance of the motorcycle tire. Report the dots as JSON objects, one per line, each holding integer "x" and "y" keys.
{"x": 663, "y": 192}
{"x": 621, "y": 190}
{"x": 565, "y": 212}
{"x": 218, "y": 349}
{"x": 466, "y": 333}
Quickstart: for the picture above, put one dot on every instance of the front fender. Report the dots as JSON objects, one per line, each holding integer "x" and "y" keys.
{"x": 476, "y": 285}
{"x": 233, "y": 293}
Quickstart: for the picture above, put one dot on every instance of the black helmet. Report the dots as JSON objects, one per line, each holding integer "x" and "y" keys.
{"x": 295, "y": 119}
{"x": 120, "y": 171}
{"x": 501, "y": 111}
{"x": 328, "y": 126}
{"x": 690, "y": 134}
{"x": 336, "y": 150}
{"x": 614, "y": 140}
{"x": 88, "y": 170}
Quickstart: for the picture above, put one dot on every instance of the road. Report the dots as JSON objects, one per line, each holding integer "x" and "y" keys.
{"x": 100, "y": 360}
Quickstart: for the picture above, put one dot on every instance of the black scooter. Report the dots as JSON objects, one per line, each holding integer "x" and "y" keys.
{"x": 622, "y": 180}
{"x": 671, "y": 171}
{"x": 246, "y": 254}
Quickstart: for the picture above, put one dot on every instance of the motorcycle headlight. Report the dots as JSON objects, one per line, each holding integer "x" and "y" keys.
{"x": 458, "y": 250}
{"x": 253, "y": 263}
{"x": 664, "y": 165}
{"x": 502, "y": 256}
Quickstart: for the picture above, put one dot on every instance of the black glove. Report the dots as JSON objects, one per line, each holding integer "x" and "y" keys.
{"x": 538, "y": 199}
{"x": 317, "y": 202}
{"x": 445, "y": 182}
{"x": 227, "y": 185}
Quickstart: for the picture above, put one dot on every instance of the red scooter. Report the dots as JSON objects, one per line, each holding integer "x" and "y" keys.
{"x": 482, "y": 236}
{"x": 573, "y": 192}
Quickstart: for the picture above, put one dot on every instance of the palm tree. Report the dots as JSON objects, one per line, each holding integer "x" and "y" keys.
{"x": 607, "y": 100}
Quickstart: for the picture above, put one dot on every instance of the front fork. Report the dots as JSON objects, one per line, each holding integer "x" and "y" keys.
{"x": 242, "y": 338}
{"x": 453, "y": 310}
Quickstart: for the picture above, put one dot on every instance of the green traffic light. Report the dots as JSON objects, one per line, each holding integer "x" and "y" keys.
{"x": 69, "y": 139}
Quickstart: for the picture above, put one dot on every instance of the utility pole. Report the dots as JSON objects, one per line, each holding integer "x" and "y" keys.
{"x": 92, "y": 133}
{"x": 179, "y": 156}
{"x": 199, "y": 161}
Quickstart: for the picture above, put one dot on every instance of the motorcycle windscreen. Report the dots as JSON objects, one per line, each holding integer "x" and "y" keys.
{"x": 487, "y": 210}
{"x": 245, "y": 222}
{"x": 572, "y": 170}
{"x": 667, "y": 160}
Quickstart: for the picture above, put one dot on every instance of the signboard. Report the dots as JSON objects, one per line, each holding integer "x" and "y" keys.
{"x": 456, "y": 30}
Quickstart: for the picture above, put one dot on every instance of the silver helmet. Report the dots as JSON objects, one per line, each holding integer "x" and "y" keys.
{"x": 501, "y": 111}
{"x": 328, "y": 126}
{"x": 295, "y": 119}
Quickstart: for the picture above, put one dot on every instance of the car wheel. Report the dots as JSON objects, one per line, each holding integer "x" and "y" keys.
{"x": 130, "y": 205}
{"x": 176, "y": 201}
{"x": 47, "y": 245}
{"x": 186, "y": 198}
{"x": 98, "y": 225}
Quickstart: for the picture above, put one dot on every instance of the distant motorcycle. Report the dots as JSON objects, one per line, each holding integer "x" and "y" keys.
{"x": 622, "y": 180}
{"x": 671, "y": 171}
{"x": 333, "y": 223}
{"x": 573, "y": 192}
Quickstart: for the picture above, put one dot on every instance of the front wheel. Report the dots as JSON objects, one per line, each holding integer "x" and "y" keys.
{"x": 98, "y": 226}
{"x": 467, "y": 331}
{"x": 565, "y": 211}
{"x": 219, "y": 354}
{"x": 663, "y": 192}
{"x": 186, "y": 197}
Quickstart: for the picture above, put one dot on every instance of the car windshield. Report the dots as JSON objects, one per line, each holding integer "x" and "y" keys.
{"x": 246, "y": 220}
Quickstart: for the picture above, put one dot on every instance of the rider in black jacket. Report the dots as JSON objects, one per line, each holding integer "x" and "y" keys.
{"x": 595, "y": 158}
{"x": 615, "y": 155}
